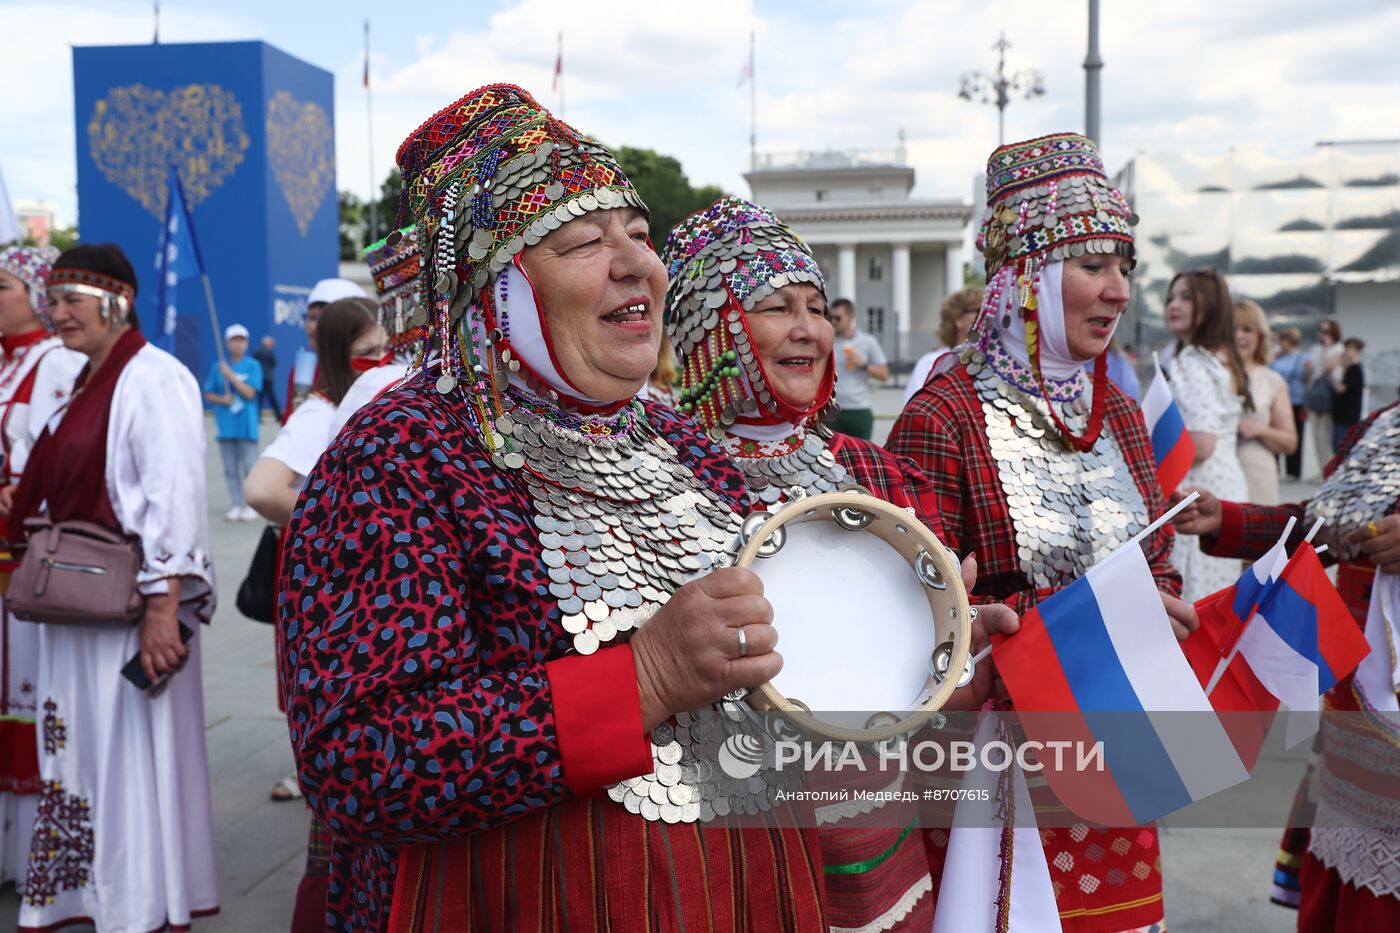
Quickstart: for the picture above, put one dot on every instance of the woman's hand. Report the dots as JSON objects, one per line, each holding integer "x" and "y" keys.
{"x": 7, "y": 499}
{"x": 688, "y": 654}
{"x": 162, "y": 651}
{"x": 1201, "y": 517}
{"x": 1251, "y": 428}
{"x": 992, "y": 619}
{"x": 1381, "y": 544}
{"x": 1181, "y": 614}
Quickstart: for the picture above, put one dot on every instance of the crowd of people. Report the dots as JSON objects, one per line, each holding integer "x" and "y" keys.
{"x": 498, "y": 508}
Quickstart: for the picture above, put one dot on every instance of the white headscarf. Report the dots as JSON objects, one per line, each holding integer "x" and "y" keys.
{"x": 1056, "y": 362}
{"x": 522, "y": 319}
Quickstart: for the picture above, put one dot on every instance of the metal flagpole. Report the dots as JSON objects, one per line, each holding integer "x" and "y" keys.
{"x": 155, "y": 36}
{"x": 369, "y": 126}
{"x": 753, "y": 106}
{"x": 559, "y": 73}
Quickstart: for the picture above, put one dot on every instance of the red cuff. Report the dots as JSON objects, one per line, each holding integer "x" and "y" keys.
{"x": 598, "y": 718}
{"x": 1229, "y": 541}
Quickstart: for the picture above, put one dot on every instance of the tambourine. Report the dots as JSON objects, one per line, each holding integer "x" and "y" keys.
{"x": 871, "y": 615}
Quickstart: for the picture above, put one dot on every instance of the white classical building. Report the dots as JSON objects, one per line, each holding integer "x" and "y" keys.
{"x": 894, "y": 257}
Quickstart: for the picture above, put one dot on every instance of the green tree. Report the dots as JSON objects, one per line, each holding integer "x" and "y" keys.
{"x": 352, "y": 225}
{"x": 663, "y": 185}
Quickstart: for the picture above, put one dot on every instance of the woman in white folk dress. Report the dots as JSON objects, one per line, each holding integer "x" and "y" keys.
{"x": 124, "y": 836}
{"x": 36, "y": 374}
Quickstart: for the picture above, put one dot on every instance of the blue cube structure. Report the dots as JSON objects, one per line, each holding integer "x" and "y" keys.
{"x": 252, "y": 132}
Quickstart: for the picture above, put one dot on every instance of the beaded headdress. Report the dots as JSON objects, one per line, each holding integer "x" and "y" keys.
{"x": 484, "y": 178}
{"x": 116, "y": 296}
{"x": 1048, "y": 200}
{"x": 31, "y": 265}
{"x": 395, "y": 263}
{"x": 723, "y": 261}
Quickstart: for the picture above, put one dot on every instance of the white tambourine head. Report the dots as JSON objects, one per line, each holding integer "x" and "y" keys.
{"x": 863, "y": 596}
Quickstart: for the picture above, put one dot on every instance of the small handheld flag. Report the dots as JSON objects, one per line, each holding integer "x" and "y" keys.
{"x": 1099, "y": 662}
{"x": 1173, "y": 451}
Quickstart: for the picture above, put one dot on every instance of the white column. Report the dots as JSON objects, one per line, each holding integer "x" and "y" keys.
{"x": 846, "y": 271}
{"x": 899, "y": 279}
{"x": 953, "y": 267}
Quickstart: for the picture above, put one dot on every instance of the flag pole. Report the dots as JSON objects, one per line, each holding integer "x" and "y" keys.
{"x": 559, "y": 72}
{"x": 369, "y": 140}
{"x": 753, "y": 106}
{"x": 1170, "y": 514}
{"x": 1235, "y": 646}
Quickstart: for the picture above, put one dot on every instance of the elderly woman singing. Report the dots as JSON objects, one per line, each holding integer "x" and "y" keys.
{"x": 467, "y": 575}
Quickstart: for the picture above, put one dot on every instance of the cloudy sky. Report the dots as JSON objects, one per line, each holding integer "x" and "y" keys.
{"x": 1187, "y": 75}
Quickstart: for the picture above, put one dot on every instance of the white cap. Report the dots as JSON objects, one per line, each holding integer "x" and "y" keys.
{"x": 235, "y": 330}
{"x": 328, "y": 290}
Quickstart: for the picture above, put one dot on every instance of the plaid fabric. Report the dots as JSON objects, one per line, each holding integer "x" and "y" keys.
{"x": 897, "y": 480}
{"x": 1248, "y": 531}
{"x": 943, "y": 432}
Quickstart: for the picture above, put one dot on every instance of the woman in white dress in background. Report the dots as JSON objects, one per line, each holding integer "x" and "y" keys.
{"x": 1268, "y": 430}
{"x": 124, "y": 836}
{"x": 1209, "y": 383}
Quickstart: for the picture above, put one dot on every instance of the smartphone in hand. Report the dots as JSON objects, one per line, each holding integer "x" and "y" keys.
{"x": 134, "y": 672}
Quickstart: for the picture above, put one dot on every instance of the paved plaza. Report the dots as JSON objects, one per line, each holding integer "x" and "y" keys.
{"x": 1217, "y": 880}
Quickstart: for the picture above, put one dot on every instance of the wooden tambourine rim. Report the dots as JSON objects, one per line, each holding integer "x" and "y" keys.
{"x": 918, "y": 535}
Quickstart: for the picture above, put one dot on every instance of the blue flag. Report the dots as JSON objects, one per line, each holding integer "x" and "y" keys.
{"x": 177, "y": 258}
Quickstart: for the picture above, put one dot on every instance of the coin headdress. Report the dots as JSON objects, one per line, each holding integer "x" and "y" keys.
{"x": 395, "y": 263}
{"x": 31, "y": 265}
{"x": 722, "y": 262}
{"x": 1048, "y": 200}
{"x": 482, "y": 179}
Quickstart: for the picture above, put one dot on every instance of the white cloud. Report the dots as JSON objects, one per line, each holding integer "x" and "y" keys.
{"x": 36, "y": 68}
{"x": 663, "y": 74}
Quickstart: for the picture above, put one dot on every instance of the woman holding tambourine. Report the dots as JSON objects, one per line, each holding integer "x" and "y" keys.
{"x": 1041, "y": 469}
{"x": 746, "y": 312}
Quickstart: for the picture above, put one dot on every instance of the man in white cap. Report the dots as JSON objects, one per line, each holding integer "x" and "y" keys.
{"x": 231, "y": 389}
{"x": 303, "y": 374}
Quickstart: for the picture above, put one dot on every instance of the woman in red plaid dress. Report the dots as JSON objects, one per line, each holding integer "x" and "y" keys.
{"x": 1040, "y": 469}
{"x": 746, "y": 312}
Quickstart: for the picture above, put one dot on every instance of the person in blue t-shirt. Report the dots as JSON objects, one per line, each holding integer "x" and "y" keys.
{"x": 231, "y": 389}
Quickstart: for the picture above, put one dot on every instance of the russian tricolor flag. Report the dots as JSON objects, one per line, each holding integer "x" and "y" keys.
{"x": 1302, "y": 639}
{"x": 1173, "y": 451}
{"x": 1246, "y": 705}
{"x": 1098, "y": 660}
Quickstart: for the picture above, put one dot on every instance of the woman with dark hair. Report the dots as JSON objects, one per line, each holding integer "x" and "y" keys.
{"x": 1209, "y": 382}
{"x": 124, "y": 836}
{"x": 348, "y": 330}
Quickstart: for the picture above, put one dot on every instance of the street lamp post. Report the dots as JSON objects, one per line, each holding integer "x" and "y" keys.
{"x": 998, "y": 88}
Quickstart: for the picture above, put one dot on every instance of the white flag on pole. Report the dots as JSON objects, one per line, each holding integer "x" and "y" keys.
{"x": 9, "y": 225}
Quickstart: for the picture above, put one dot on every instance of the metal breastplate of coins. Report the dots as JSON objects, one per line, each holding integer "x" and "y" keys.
{"x": 805, "y": 462}
{"x": 1365, "y": 486}
{"x": 1070, "y": 509}
{"x": 624, "y": 524}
